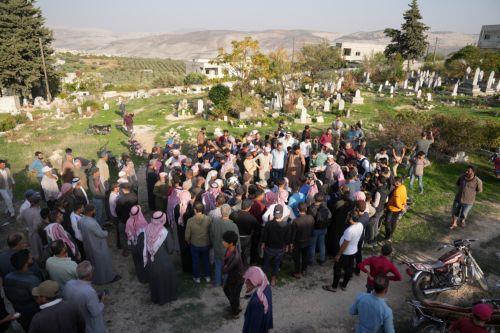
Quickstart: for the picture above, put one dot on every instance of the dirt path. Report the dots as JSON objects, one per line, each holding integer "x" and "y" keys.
{"x": 145, "y": 134}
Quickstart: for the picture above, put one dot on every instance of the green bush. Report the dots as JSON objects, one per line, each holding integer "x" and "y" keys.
{"x": 219, "y": 95}
{"x": 10, "y": 122}
{"x": 194, "y": 78}
{"x": 94, "y": 105}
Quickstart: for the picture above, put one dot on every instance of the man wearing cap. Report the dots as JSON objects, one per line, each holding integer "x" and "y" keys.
{"x": 37, "y": 165}
{"x": 26, "y": 203}
{"x": 56, "y": 315}
{"x": 275, "y": 240}
{"x": 82, "y": 293}
{"x": 6, "y": 186}
{"x": 481, "y": 314}
{"x": 49, "y": 185}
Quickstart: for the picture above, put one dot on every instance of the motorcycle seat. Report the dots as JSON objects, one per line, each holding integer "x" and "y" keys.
{"x": 448, "y": 307}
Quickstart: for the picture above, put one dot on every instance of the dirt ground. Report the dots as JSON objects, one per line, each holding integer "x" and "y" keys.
{"x": 299, "y": 305}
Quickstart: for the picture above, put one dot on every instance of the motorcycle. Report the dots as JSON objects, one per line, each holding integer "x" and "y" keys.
{"x": 435, "y": 317}
{"x": 451, "y": 271}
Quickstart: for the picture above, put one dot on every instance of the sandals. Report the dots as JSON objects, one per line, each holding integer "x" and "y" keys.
{"x": 453, "y": 227}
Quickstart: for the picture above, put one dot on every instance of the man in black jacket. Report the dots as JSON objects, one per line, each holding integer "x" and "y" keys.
{"x": 126, "y": 200}
{"x": 322, "y": 219}
{"x": 56, "y": 315}
{"x": 247, "y": 224}
{"x": 302, "y": 230}
{"x": 275, "y": 241}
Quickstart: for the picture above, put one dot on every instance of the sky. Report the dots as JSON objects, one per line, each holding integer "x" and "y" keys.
{"x": 344, "y": 16}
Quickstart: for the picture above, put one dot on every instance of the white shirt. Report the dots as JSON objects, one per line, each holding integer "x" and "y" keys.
{"x": 113, "y": 196}
{"x": 378, "y": 156}
{"x": 278, "y": 159}
{"x": 74, "y": 224}
{"x": 337, "y": 127}
{"x": 305, "y": 149}
{"x": 49, "y": 304}
{"x": 26, "y": 204}
{"x": 352, "y": 234}
{"x": 50, "y": 187}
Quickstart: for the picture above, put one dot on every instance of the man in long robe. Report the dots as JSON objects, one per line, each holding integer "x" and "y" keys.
{"x": 96, "y": 247}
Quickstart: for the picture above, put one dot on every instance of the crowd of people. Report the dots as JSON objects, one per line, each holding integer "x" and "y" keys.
{"x": 233, "y": 209}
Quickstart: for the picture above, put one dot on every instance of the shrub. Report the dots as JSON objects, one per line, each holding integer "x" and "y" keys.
{"x": 94, "y": 105}
{"x": 219, "y": 95}
{"x": 10, "y": 122}
{"x": 194, "y": 78}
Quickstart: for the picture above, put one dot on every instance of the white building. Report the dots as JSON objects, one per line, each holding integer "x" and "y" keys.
{"x": 211, "y": 70}
{"x": 356, "y": 52}
{"x": 489, "y": 38}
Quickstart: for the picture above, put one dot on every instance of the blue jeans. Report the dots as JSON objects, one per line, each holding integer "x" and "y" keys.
{"x": 269, "y": 254}
{"x": 277, "y": 174}
{"x": 99, "y": 210}
{"x": 219, "y": 278}
{"x": 200, "y": 253}
{"x": 318, "y": 238}
{"x": 461, "y": 210}
{"x": 420, "y": 182}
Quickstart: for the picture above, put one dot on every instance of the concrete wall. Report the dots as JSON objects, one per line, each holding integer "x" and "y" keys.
{"x": 489, "y": 38}
{"x": 10, "y": 104}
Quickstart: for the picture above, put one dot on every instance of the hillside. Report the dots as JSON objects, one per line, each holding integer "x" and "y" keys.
{"x": 204, "y": 44}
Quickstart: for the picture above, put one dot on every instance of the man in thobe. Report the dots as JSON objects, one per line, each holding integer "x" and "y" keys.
{"x": 264, "y": 160}
{"x": 6, "y": 186}
{"x": 102, "y": 164}
{"x": 49, "y": 186}
{"x": 96, "y": 247}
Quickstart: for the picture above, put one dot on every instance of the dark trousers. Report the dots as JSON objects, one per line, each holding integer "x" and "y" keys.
{"x": 277, "y": 174}
{"x": 246, "y": 245}
{"x": 345, "y": 264}
{"x": 254, "y": 249}
{"x": 372, "y": 230}
{"x": 269, "y": 254}
{"x": 232, "y": 292}
{"x": 359, "y": 255}
{"x": 200, "y": 254}
{"x": 300, "y": 258}
{"x": 391, "y": 221}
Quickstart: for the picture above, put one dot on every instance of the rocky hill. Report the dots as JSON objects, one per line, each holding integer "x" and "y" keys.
{"x": 204, "y": 44}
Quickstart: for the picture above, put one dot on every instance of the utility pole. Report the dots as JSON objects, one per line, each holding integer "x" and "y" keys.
{"x": 47, "y": 90}
{"x": 434, "y": 55}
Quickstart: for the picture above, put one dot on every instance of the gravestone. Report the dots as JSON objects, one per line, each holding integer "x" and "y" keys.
{"x": 367, "y": 79}
{"x": 246, "y": 114}
{"x": 392, "y": 90}
{"x": 327, "y": 106}
{"x": 105, "y": 107}
{"x": 341, "y": 105}
{"x": 417, "y": 86}
{"x": 419, "y": 93}
{"x": 320, "y": 119}
{"x": 455, "y": 90}
{"x": 10, "y": 104}
{"x": 380, "y": 88}
{"x": 489, "y": 90}
{"x": 332, "y": 88}
{"x": 200, "y": 107}
{"x": 386, "y": 83}
{"x": 481, "y": 75}
{"x": 79, "y": 110}
{"x": 357, "y": 98}
{"x": 183, "y": 105}
{"x": 429, "y": 97}
{"x": 405, "y": 84}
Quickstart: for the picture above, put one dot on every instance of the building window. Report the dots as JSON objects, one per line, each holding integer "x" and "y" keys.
{"x": 486, "y": 36}
{"x": 358, "y": 53}
{"x": 347, "y": 52}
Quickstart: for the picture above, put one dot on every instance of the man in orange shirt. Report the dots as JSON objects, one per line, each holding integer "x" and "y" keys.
{"x": 396, "y": 207}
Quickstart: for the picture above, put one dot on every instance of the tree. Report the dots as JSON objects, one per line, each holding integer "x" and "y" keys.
{"x": 317, "y": 58}
{"x": 411, "y": 40}
{"x": 90, "y": 82}
{"x": 247, "y": 62}
{"x": 219, "y": 95}
{"x": 487, "y": 60}
{"x": 279, "y": 67}
{"x": 21, "y": 27}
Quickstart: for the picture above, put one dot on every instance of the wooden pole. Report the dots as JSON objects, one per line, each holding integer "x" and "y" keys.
{"x": 47, "y": 90}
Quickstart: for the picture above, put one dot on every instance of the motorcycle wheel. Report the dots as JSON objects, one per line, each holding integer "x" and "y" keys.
{"x": 479, "y": 275}
{"x": 424, "y": 281}
{"x": 429, "y": 327}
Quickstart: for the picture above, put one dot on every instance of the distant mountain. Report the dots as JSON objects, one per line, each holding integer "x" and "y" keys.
{"x": 205, "y": 43}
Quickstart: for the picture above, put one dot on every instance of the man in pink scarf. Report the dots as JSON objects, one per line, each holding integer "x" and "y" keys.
{"x": 56, "y": 231}
{"x": 208, "y": 198}
{"x": 259, "y": 312}
{"x": 136, "y": 224}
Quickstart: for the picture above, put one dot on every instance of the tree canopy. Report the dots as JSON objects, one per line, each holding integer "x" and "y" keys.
{"x": 21, "y": 27}
{"x": 411, "y": 40}
{"x": 317, "y": 58}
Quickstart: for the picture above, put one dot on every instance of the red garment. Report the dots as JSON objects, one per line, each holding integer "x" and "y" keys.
{"x": 379, "y": 265}
{"x": 465, "y": 325}
{"x": 350, "y": 153}
{"x": 257, "y": 210}
{"x": 325, "y": 138}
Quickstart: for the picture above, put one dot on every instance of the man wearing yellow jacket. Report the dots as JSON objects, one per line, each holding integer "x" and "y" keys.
{"x": 396, "y": 207}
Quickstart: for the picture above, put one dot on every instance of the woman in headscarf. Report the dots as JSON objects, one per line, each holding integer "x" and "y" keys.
{"x": 259, "y": 312}
{"x": 183, "y": 211}
{"x": 134, "y": 229}
{"x": 163, "y": 281}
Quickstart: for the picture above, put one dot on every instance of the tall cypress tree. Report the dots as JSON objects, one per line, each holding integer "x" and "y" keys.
{"x": 411, "y": 40}
{"x": 21, "y": 27}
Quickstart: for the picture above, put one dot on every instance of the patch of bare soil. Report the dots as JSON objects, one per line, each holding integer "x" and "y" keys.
{"x": 145, "y": 134}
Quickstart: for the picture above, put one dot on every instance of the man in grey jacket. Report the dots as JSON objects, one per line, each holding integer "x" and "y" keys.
{"x": 84, "y": 295}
